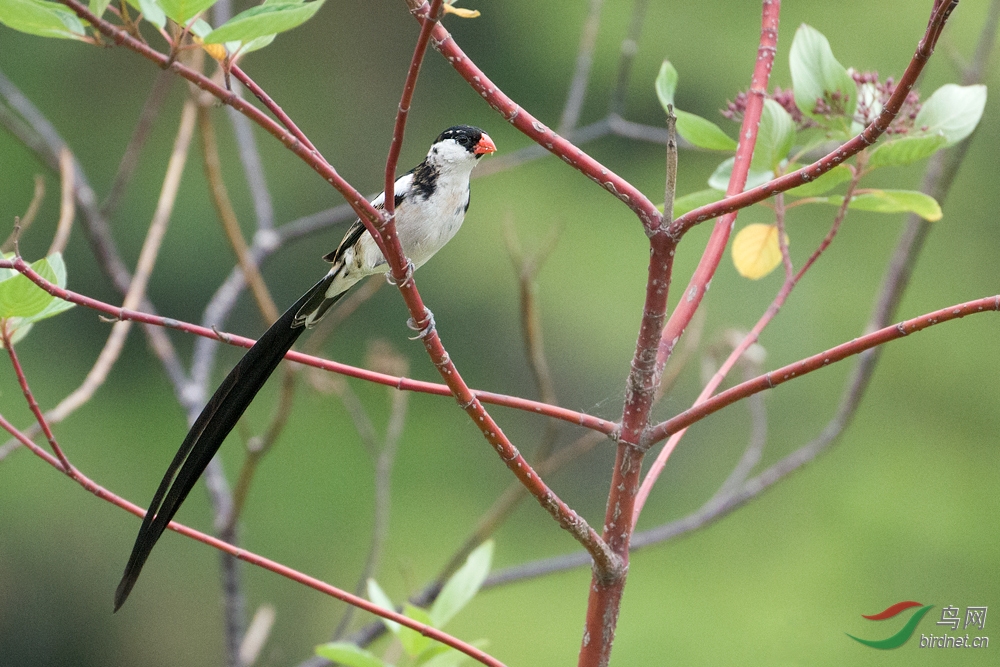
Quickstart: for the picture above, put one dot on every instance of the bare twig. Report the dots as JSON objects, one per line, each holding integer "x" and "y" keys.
{"x": 5, "y": 336}
{"x": 246, "y": 143}
{"x": 627, "y": 52}
{"x": 406, "y": 384}
{"x": 136, "y": 295}
{"x": 383, "y": 451}
{"x": 256, "y": 449}
{"x": 344, "y": 309}
{"x": 130, "y": 158}
{"x": 29, "y": 215}
{"x": 581, "y": 73}
{"x": 67, "y": 202}
{"x": 164, "y": 206}
{"x": 254, "y": 559}
{"x": 227, "y": 216}
{"x": 527, "y": 268}
{"x": 791, "y": 280}
{"x": 36, "y": 132}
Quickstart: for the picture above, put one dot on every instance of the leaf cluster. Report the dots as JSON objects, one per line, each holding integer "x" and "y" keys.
{"x": 248, "y": 31}
{"x": 422, "y": 651}
{"x": 826, "y": 99}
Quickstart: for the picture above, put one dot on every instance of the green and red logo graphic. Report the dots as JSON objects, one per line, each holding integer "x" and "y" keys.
{"x": 901, "y": 637}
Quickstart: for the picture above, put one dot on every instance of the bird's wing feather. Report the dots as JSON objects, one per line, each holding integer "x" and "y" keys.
{"x": 211, "y": 427}
{"x": 354, "y": 232}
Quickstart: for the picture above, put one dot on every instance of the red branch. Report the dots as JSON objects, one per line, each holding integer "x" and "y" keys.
{"x": 22, "y": 379}
{"x": 253, "y": 558}
{"x": 273, "y": 107}
{"x": 717, "y": 242}
{"x": 391, "y": 250}
{"x": 537, "y": 131}
{"x": 406, "y": 99}
{"x": 357, "y": 201}
{"x": 640, "y": 388}
{"x": 817, "y": 361}
{"x": 868, "y": 137}
{"x": 405, "y": 384}
{"x": 791, "y": 280}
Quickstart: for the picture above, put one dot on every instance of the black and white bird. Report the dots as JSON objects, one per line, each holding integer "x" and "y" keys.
{"x": 430, "y": 205}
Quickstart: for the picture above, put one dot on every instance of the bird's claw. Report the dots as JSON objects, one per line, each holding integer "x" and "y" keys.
{"x": 389, "y": 278}
{"x": 422, "y": 332}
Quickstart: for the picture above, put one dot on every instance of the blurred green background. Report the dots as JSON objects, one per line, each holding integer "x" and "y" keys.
{"x": 904, "y": 508}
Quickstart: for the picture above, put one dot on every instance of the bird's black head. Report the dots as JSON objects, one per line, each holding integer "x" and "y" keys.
{"x": 471, "y": 138}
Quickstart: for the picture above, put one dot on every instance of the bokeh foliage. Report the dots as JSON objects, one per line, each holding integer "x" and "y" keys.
{"x": 904, "y": 508}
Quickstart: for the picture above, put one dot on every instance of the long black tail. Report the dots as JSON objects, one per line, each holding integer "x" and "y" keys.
{"x": 214, "y": 423}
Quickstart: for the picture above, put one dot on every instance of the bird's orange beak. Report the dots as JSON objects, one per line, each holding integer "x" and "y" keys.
{"x": 485, "y": 145}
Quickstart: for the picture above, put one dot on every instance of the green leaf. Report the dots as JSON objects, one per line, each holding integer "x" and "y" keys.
{"x": 200, "y": 28}
{"x": 953, "y": 111}
{"x": 41, "y": 18}
{"x": 905, "y": 150}
{"x": 720, "y": 178}
{"x": 378, "y": 596}
{"x": 347, "y": 654}
{"x": 431, "y": 652}
{"x": 56, "y": 306}
{"x": 183, "y": 11}
{"x": 702, "y": 132}
{"x": 252, "y": 45}
{"x": 19, "y": 297}
{"x": 816, "y": 75}
{"x": 96, "y": 7}
{"x": 666, "y": 84}
{"x": 413, "y": 642}
{"x": 151, "y": 10}
{"x": 893, "y": 201}
{"x": 828, "y": 181}
{"x": 447, "y": 657}
{"x": 463, "y": 585}
{"x": 690, "y": 202}
{"x": 697, "y": 131}
{"x": 774, "y": 137}
{"x": 264, "y": 20}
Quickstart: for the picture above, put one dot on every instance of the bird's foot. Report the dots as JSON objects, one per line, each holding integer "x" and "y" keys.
{"x": 389, "y": 278}
{"x": 422, "y": 332}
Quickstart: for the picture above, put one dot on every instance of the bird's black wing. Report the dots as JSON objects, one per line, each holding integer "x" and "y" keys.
{"x": 211, "y": 427}
{"x": 350, "y": 238}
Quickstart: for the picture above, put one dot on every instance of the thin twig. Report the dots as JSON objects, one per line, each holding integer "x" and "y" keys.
{"x": 67, "y": 202}
{"x": 227, "y": 216}
{"x": 37, "y": 133}
{"x": 29, "y": 215}
{"x": 5, "y": 336}
{"x": 256, "y": 449}
{"x": 581, "y": 73}
{"x": 383, "y": 451}
{"x": 527, "y": 268}
{"x": 254, "y": 559}
{"x": 791, "y": 280}
{"x": 130, "y": 158}
{"x": 164, "y": 206}
{"x": 407, "y": 384}
{"x": 343, "y": 310}
{"x": 627, "y": 52}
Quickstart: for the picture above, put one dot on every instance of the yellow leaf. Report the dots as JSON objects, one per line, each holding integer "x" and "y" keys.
{"x": 217, "y": 51}
{"x": 460, "y": 12}
{"x": 756, "y": 251}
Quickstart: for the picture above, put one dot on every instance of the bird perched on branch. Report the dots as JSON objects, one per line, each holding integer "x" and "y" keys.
{"x": 430, "y": 205}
